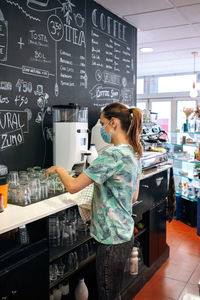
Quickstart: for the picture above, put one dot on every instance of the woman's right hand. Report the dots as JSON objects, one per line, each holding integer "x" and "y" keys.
{"x": 51, "y": 170}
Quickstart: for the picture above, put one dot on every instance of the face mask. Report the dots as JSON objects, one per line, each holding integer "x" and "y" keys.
{"x": 105, "y": 136}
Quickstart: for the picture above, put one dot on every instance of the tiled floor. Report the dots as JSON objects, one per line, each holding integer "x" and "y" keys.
{"x": 181, "y": 272}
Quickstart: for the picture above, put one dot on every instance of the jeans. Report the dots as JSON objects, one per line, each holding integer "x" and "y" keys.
{"x": 110, "y": 263}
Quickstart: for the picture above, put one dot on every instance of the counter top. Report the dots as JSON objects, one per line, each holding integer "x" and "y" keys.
{"x": 15, "y": 216}
{"x": 150, "y": 172}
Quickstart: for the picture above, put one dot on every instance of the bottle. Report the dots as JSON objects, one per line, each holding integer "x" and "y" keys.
{"x": 57, "y": 295}
{"x": 134, "y": 261}
{"x": 93, "y": 155}
{"x": 81, "y": 290}
{"x": 64, "y": 288}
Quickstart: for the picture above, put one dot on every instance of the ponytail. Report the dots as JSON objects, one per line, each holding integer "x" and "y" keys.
{"x": 131, "y": 122}
{"x": 135, "y": 129}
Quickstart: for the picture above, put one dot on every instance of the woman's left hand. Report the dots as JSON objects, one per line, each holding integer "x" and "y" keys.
{"x": 51, "y": 170}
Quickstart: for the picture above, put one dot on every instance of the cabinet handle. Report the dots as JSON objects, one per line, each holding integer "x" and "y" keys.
{"x": 159, "y": 180}
{"x": 14, "y": 292}
{"x": 145, "y": 186}
{"x": 134, "y": 215}
{"x": 160, "y": 210}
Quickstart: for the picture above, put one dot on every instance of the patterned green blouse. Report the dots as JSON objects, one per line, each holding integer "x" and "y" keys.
{"x": 115, "y": 172}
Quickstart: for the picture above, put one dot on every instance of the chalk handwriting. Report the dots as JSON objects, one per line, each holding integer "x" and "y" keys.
{"x": 20, "y": 100}
{"x": 98, "y": 92}
{"x": 35, "y": 72}
{"x": 3, "y": 39}
{"x": 108, "y": 25}
{"x": 11, "y": 139}
{"x": 55, "y": 27}
{"x": 22, "y": 10}
{"x": 5, "y": 85}
{"x": 12, "y": 120}
{"x": 4, "y": 100}
{"x": 23, "y": 86}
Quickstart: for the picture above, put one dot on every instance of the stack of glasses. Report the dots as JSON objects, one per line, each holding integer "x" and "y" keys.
{"x": 31, "y": 186}
{"x": 65, "y": 227}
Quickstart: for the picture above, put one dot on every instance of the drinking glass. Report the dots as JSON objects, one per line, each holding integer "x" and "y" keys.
{"x": 67, "y": 233}
{"x": 61, "y": 267}
{"x": 53, "y": 272}
{"x": 13, "y": 177}
{"x": 51, "y": 185}
{"x": 12, "y": 193}
{"x": 23, "y": 193}
{"x": 43, "y": 189}
{"x": 54, "y": 231}
{"x": 23, "y": 175}
{"x": 34, "y": 185}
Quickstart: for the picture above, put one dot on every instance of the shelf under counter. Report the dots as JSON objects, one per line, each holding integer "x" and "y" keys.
{"x": 58, "y": 252}
{"x": 67, "y": 275}
{"x": 15, "y": 216}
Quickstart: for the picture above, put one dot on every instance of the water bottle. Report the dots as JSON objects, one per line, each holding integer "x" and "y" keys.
{"x": 93, "y": 155}
{"x": 81, "y": 290}
{"x": 134, "y": 261}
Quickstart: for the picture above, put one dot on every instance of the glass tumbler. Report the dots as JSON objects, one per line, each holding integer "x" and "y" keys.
{"x": 12, "y": 193}
{"x": 43, "y": 189}
{"x": 13, "y": 177}
{"x": 23, "y": 193}
{"x": 34, "y": 185}
{"x": 54, "y": 231}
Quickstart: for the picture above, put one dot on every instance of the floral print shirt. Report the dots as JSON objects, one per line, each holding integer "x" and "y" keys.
{"x": 115, "y": 172}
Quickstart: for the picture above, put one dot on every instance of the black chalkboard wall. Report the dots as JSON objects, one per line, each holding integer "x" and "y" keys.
{"x": 56, "y": 52}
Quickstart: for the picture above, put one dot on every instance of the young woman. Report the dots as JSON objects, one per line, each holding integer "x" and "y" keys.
{"x": 116, "y": 174}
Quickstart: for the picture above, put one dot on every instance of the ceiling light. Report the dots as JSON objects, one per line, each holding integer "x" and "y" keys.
{"x": 193, "y": 91}
{"x": 146, "y": 50}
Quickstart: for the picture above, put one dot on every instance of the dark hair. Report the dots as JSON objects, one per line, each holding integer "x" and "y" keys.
{"x": 131, "y": 122}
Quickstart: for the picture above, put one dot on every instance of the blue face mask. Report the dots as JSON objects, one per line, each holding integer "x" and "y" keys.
{"x": 105, "y": 136}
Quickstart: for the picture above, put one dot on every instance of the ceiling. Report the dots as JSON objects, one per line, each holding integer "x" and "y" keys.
{"x": 170, "y": 27}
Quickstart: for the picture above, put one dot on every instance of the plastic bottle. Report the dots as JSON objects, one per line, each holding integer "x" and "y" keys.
{"x": 64, "y": 288}
{"x": 93, "y": 155}
{"x": 134, "y": 261}
{"x": 57, "y": 295}
{"x": 81, "y": 290}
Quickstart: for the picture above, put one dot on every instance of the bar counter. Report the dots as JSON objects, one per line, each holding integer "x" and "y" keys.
{"x": 15, "y": 216}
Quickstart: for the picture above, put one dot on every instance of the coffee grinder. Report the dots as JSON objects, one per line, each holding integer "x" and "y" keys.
{"x": 70, "y": 136}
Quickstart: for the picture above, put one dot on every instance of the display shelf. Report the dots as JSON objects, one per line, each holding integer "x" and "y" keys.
{"x": 190, "y": 176}
{"x": 181, "y": 144}
{"x": 186, "y": 197}
{"x": 182, "y": 132}
{"x": 67, "y": 275}
{"x": 57, "y": 252}
{"x": 185, "y": 159}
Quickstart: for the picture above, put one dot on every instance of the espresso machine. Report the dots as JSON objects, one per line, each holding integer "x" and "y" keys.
{"x": 70, "y": 136}
{"x": 153, "y": 141}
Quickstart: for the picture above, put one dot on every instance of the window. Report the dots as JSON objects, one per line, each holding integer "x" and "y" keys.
{"x": 181, "y": 115}
{"x": 163, "y": 108}
{"x": 140, "y": 86}
{"x": 170, "y": 84}
{"x": 141, "y": 105}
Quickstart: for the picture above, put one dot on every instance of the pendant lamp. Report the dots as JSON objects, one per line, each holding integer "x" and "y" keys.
{"x": 193, "y": 91}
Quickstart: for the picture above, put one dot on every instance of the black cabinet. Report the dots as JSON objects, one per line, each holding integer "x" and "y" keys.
{"x": 26, "y": 279}
{"x": 24, "y": 273}
{"x": 157, "y": 232}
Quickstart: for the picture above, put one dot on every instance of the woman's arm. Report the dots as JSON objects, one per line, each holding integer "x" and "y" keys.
{"x": 136, "y": 193}
{"x": 72, "y": 185}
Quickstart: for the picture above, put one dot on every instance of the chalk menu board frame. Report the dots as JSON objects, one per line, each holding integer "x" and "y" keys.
{"x": 55, "y": 52}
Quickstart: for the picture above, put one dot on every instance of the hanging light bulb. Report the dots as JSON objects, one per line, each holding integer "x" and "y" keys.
{"x": 193, "y": 91}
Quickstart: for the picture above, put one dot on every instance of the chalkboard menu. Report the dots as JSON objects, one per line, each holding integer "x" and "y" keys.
{"x": 54, "y": 52}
